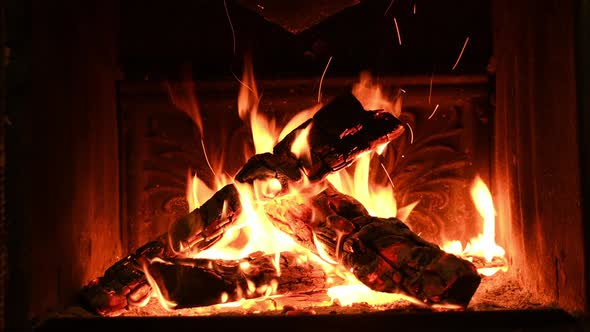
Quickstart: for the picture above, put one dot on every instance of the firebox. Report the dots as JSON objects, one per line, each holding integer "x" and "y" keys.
{"x": 296, "y": 165}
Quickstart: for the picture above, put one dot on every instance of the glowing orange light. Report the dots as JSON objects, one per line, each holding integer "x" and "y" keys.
{"x": 257, "y": 234}
{"x": 484, "y": 245}
{"x": 372, "y": 97}
{"x": 264, "y": 132}
{"x": 300, "y": 146}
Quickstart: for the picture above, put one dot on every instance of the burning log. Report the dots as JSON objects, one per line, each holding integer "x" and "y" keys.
{"x": 124, "y": 284}
{"x": 204, "y": 226}
{"x": 336, "y": 135}
{"x": 198, "y": 282}
{"x": 202, "y": 282}
{"x": 382, "y": 253}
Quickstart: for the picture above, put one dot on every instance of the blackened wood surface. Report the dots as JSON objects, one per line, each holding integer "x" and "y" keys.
{"x": 537, "y": 162}
{"x": 205, "y": 225}
{"x": 202, "y": 282}
{"x": 383, "y": 253}
{"x": 339, "y": 133}
{"x": 124, "y": 284}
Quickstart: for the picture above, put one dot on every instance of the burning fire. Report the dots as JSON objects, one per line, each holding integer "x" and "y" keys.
{"x": 255, "y": 233}
{"x": 484, "y": 245}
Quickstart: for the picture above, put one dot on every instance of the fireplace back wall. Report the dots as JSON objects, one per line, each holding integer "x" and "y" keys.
{"x": 63, "y": 174}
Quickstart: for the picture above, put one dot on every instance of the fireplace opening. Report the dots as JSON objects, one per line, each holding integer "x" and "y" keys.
{"x": 252, "y": 159}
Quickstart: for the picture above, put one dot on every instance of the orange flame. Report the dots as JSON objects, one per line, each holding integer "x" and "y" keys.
{"x": 484, "y": 245}
{"x": 300, "y": 146}
{"x": 182, "y": 95}
{"x": 253, "y": 232}
{"x": 264, "y": 132}
{"x": 372, "y": 97}
{"x": 377, "y": 198}
{"x": 156, "y": 292}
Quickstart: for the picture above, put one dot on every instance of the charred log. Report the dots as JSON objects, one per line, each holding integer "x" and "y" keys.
{"x": 202, "y": 282}
{"x": 383, "y": 253}
{"x": 124, "y": 284}
{"x": 338, "y": 133}
{"x": 204, "y": 226}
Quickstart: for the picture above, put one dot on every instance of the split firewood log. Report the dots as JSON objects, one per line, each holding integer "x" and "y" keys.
{"x": 124, "y": 284}
{"x": 383, "y": 253}
{"x": 202, "y": 282}
{"x": 336, "y": 135}
{"x": 205, "y": 225}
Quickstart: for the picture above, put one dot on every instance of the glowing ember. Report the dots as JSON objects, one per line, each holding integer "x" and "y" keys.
{"x": 357, "y": 292}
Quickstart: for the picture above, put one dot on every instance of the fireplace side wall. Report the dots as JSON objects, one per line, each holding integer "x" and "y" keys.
{"x": 63, "y": 206}
{"x": 537, "y": 162}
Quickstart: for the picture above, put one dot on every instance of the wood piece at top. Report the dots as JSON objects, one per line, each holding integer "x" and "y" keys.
{"x": 337, "y": 134}
{"x": 340, "y": 132}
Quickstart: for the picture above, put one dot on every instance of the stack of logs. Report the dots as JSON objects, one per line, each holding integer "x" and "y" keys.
{"x": 384, "y": 254}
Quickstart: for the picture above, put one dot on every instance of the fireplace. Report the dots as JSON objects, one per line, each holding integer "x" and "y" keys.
{"x": 112, "y": 154}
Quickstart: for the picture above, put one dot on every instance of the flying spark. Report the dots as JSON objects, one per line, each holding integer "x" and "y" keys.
{"x": 207, "y": 159}
{"x": 431, "y": 115}
{"x": 388, "y": 177}
{"x": 322, "y": 80}
{"x": 399, "y": 37}
{"x": 242, "y": 83}
{"x": 411, "y": 133}
{"x": 461, "y": 54}
{"x": 388, "y": 7}
{"x": 233, "y": 33}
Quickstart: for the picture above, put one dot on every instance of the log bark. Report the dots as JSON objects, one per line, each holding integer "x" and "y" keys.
{"x": 338, "y": 133}
{"x": 124, "y": 284}
{"x": 201, "y": 282}
{"x": 204, "y": 226}
{"x": 383, "y": 253}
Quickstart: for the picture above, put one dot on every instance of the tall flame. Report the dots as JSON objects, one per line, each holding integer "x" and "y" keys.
{"x": 253, "y": 232}
{"x": 264, "y": 131}
{"x": 300, "y": 146}
{"x": 484, "y": 245}
{"x": 377, "y": 198}
{"x": 182, "y": 95}
{"x": 372, "y": 96}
